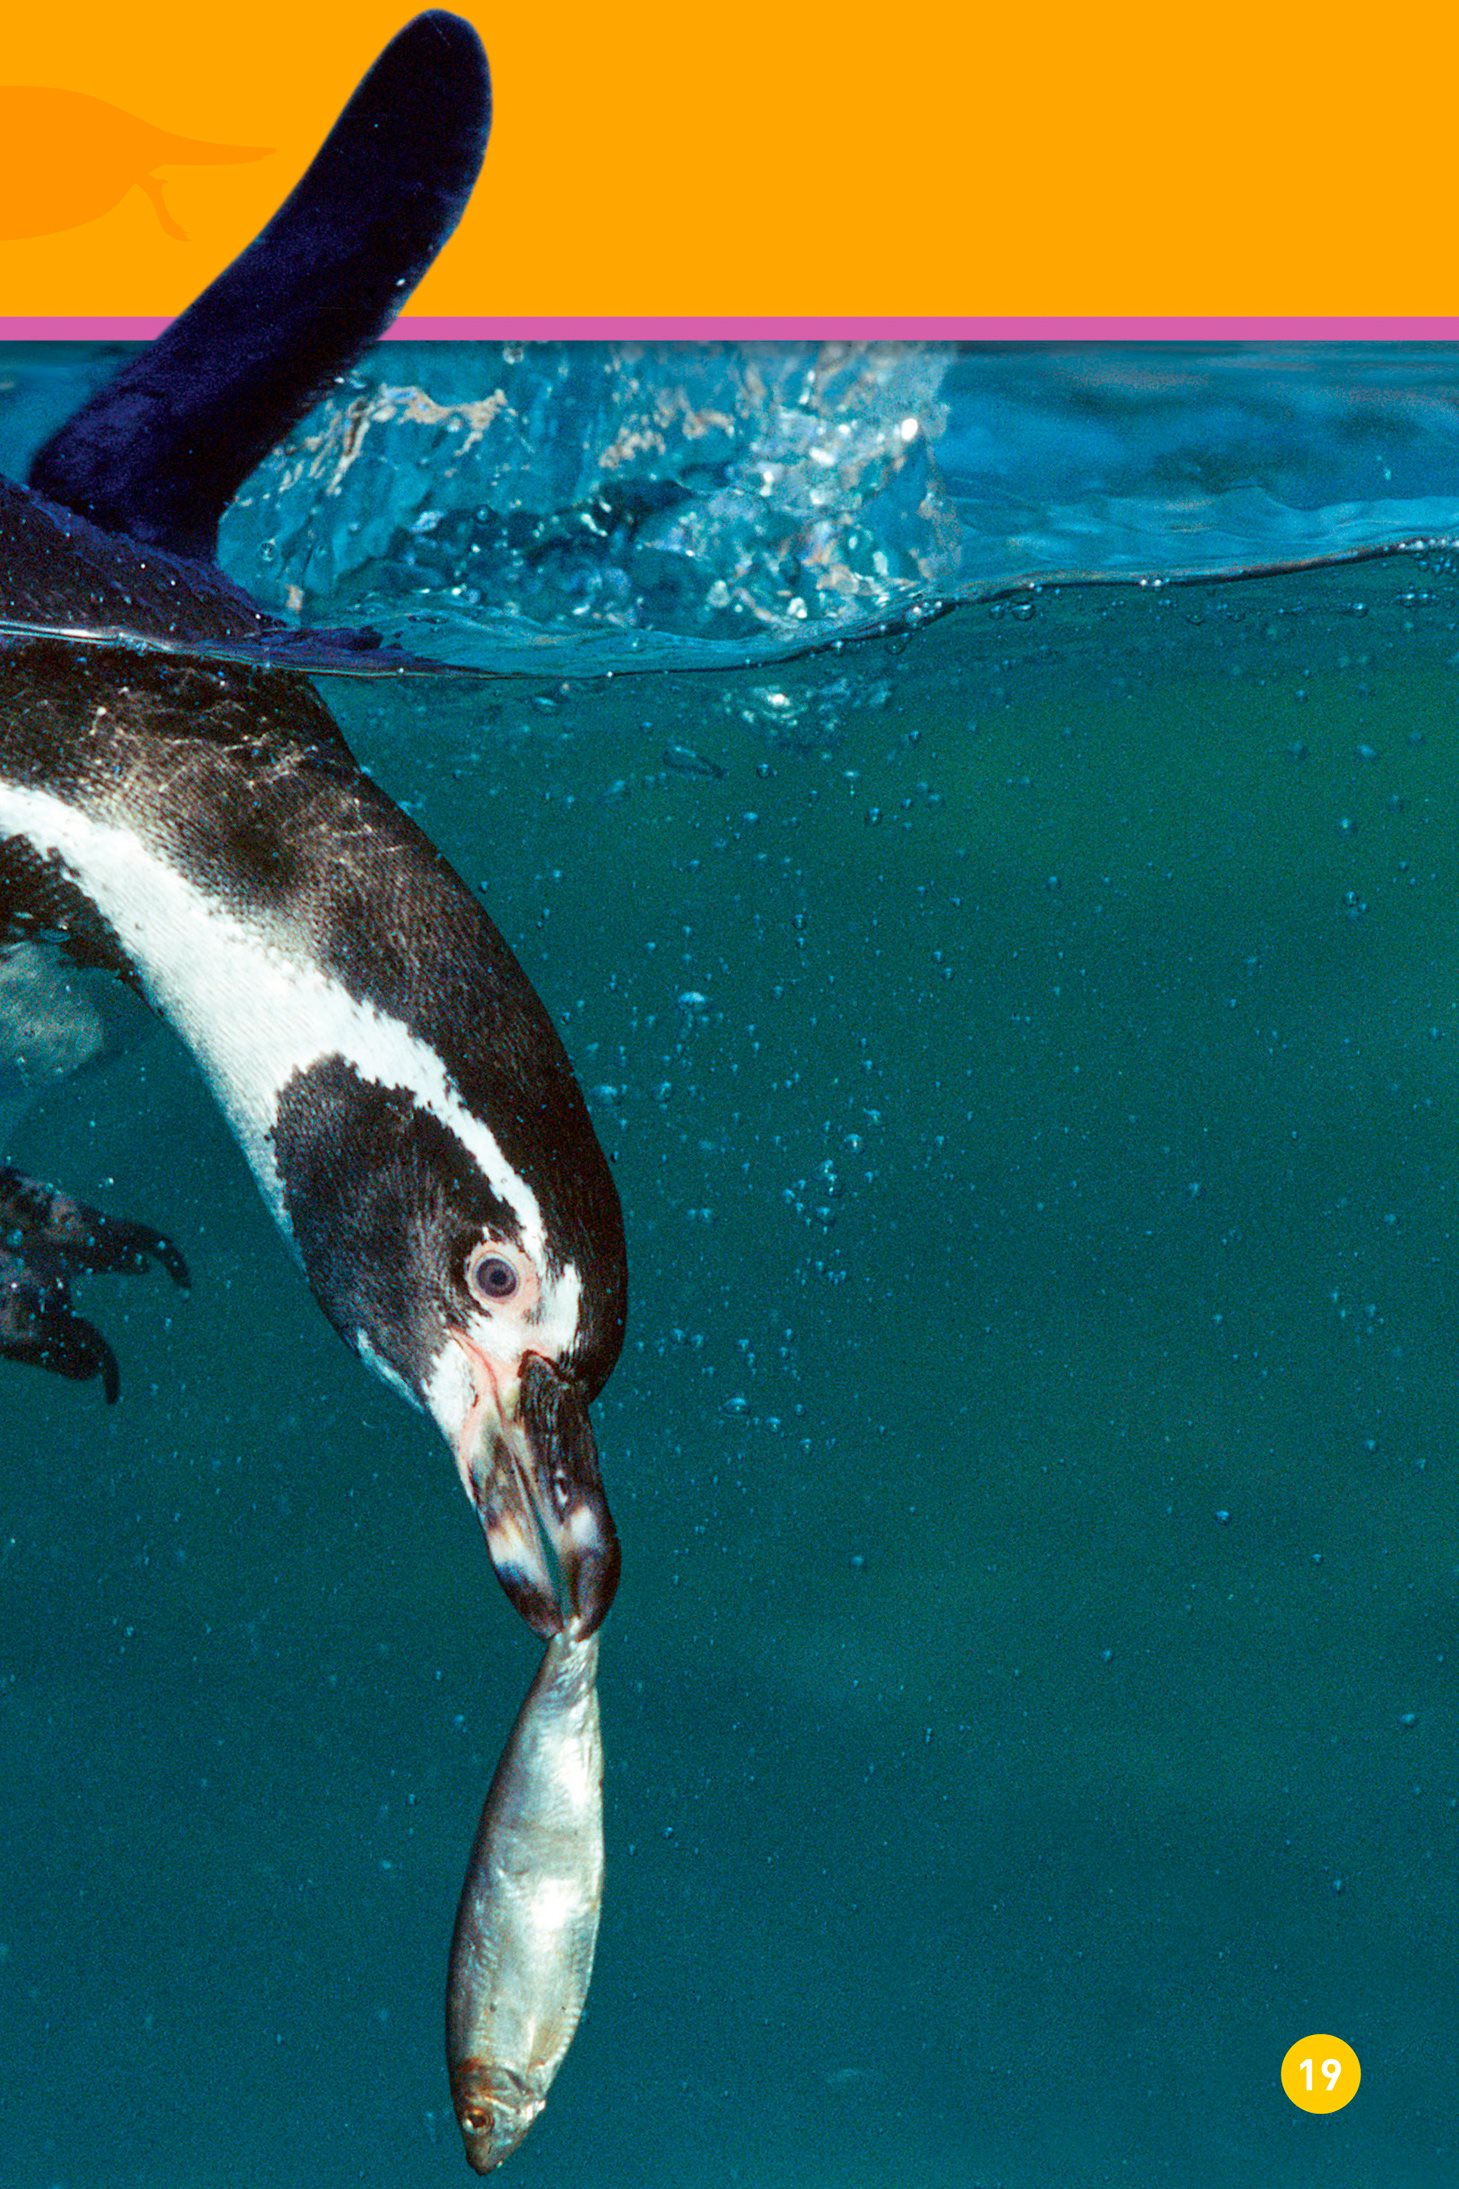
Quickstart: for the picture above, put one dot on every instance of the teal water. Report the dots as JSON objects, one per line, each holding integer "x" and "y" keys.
{"x": 1031, "y": 1065}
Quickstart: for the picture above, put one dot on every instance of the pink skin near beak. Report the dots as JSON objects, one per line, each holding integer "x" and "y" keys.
{"x": 485, "y": 1405}
{"x": 528, "y": 1463}
{"x": 490, "y": 1462}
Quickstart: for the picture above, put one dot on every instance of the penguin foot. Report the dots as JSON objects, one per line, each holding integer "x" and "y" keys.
{"x": 47, "y": 1238}
{"x": 37, "y": 1324}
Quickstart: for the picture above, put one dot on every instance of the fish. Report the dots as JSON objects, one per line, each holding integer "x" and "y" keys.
{"x": 67, "y": 158}
{"x": 527, "y": 1925}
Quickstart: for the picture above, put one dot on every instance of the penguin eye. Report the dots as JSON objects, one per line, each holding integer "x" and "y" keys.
{"x": 491, "y": 1276}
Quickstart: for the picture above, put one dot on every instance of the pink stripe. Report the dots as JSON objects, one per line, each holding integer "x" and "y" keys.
{"x": 926, "y": 330}
{"x": 813, "y": 330}
{"x": 80, "y": 330}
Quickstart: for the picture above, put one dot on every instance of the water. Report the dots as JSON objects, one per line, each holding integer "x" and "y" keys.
{"x": 1029, "y": 1048}
{"x": 572, "y": 505}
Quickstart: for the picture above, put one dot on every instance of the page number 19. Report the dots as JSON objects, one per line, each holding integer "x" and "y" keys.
{"x": 1320, "y": 2074}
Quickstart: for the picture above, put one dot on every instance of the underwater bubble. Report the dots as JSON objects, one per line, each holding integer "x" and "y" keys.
{"x": 685, "y": 761}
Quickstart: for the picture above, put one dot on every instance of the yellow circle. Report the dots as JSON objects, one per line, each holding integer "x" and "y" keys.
{"x": 1320, "y": 2074}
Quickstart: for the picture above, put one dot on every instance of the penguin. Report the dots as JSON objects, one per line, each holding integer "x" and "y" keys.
{"x": 199, "y": 827}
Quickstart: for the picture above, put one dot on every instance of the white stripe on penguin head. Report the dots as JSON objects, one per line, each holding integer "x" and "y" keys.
{"x": 255, "y": 1016}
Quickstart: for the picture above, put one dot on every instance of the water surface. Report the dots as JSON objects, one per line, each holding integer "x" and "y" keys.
{"x": 1029, "y": 1050}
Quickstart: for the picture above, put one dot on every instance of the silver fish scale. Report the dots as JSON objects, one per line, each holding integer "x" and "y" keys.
{"x": 527, "y": 1925}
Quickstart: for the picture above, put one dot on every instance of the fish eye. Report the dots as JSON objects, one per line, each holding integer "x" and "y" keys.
{"x": 491, "y": 1276}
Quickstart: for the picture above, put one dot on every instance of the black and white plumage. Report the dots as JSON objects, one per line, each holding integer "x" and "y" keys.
{"x": 201, "y": 828}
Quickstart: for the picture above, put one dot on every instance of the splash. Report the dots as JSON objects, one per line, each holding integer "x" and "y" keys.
{"x": 575, "y": 507}
{"x": 571, "y": 509}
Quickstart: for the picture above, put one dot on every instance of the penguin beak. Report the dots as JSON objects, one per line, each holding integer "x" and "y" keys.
{"x": 530, "y": 1465}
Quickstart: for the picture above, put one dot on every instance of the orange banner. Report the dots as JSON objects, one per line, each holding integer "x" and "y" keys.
{"x": 654, "y": 161}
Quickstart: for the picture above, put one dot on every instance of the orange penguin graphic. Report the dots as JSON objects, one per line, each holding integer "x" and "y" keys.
{"x": 66, "y": 158}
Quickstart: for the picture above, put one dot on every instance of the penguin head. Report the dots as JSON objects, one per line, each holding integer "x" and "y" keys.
{"x": 507, "y": 1389}
{"x": 488, "y": 1289}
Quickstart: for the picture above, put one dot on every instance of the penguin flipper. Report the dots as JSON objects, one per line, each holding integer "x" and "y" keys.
{"x": 161, "y": 452}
